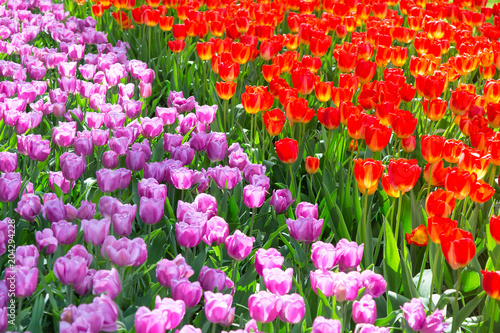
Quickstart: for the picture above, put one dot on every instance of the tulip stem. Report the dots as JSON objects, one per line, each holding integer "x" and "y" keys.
{"x": 366, "y": 237}
{"x": 430, "y": 180}
{"x": 398, "y": 217}
{"x": 292, "y": 181}
{"x": 149, "y": 234}
{"x": 226, "y": 106}
{"x": 457, "y": 289}
{"x": 214, "y": 326}
{"x": 433, "y": 271}
{"x": 251, "y": 222}
{"x": 251, "y": 134}
{"x": 492, "y": 176}
{"x": 69, "y": 289}
{"x": 234, "y": 274}
{"x": 18, "y": 314}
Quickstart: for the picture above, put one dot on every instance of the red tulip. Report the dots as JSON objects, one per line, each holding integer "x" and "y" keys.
{"x": 377, "y": 136}
{"x": 418, "y": 236}
{"x": 436, "y": 226}
{"x": 495, "y": 228}
{"x": 312, "y": 165}
{"x": 432, "y": 147}
{"x": 329, "y": 117}
{"x": 459, "y": 182}
{"x": 287, "y": 150}
{"x": 440, "y": 203}
{"x": 481, "y": 192}
{"x": 458, "y": 248}
{"x": 367, "y": 173}
{"x": 403, "y": 174}
{"x": 274, "y": 121}
{"x": 491, "y": 284}
{"x": 365, "y": 70}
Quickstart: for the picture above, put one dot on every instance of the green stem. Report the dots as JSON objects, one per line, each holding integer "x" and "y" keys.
{"x": 292, "y": 180}
{"x": 226, "y": 106}
{"x": 149, "y": 234}
{"x": 214, "y": 328}
{"x": 398, "y": 216}
{"x": 457, "y": 290}
{"x": 424, "y": 261}
{"x": 430, "y": 180}
{"x": 251, "y": 223}
{"x": 433, "y": 271}
{"x": 18, "y": 314}
{"x": 234, "y": 274}
{"x": 367, "y": 236}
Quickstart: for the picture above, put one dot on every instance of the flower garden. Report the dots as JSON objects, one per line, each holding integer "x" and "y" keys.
{"x": 273, "y": 166}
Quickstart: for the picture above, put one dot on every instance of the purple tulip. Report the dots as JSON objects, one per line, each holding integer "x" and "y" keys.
{"x": 281, "y": 200}
{"x": 99, "y": 137}
{"x": 114, "y": 119}
{"x": 108, "y": 180}
{"x": 188, "y": 329}
{"x": 135, "y": 160}
{"x": 125, "y": 252}
{"x": 364, "y": 311}
{"x": 126, "y": 90}
{"x": 110, "y": 159}
{"x": 225, "y": 177}
{"x": 70, "y": 270}
{"x": 166, "y": 270}
{"x": 375, "y": 284}
{"x": 65, "y": 232}
{"x": 261, "y": 181}
{"x": 149, "y": 188}
{"x": 95, "y": 231}
{"x": 71, "y": 212}
{"x": 147, "y": 321}
{"x": 183, "y": 153}
{"x": 24, "y": 279}
{"x": 39, "y": 150}
{"x": 45, "y": 240}
{"x": 206, "y": 113}
{"x": 270, "y": 258}
{"x": 8, "y": 161}
{"x": 88, "y": 71}
{"x": 186, "y": 123}
{"x": 305, "y": 229}
{"x": 86, "y": 210}
{"x": 132, "y": 108}
{"x": 168, "y": 115}
{"x": 171, "y": 141}
{"x": 350, "y": 254}
{"x": 72, "y": 166}
{"x": 189, "y": 235}
{"x": 186, "y": 291}
{"x": 151, "y": 210}
{"x": 306, "y": 209}
{"x": 217, "y": 306}
{"x": 277, "y": 281}
{"x": 368, "y": 328}
{"x": 206, "y": 204}
{"x": 57, "y": 178}
{"x": 83, "y": 144}
{"x": 84, "y": 286}
{"x": 4, "y": 321}
{"x": 217, "y": 231}
{"x": 107, "y": 281}
{"x": 54, "y": 210}
{"x": 238, "y": 159}
{"x": 293, "y": 308}
{"x": 345, "y": 286}
{"x": 199, "y": 141}
{"x": 182, "y": 178}
{"x": 107, "y": 205}
{"x": 324, "y": 281}
{"x": 324, "y": 256}
{"x": 201, "y": 178}
{"x": 323, "y": 325}
{"x": 27, "y": 255}
{"x": 122, "y": 218}
{"x": 211, "y": 278}
{"x": 64, "y": 134}
{"x": 114, "y": 74}
{"x": 80, "y": 251}
{"x": 173, "y": 311}
{"x": 414, "y": 314}
{"x": 434, "y": 323}
{"x": 253, "y": 196}
{"x": 264, "y": 306}
{"x": 152, "y": 127}
{"x": 182, "y": 104}
{"x": 10, "y": 184}
{"x": 216, "y": 147}
{"x": 253, "y": 170}
{"x": 125, "y": 178}
{"x": 238, "y": 245}
{"x": 109, "y": 310}
{"x": 29, "y": 207}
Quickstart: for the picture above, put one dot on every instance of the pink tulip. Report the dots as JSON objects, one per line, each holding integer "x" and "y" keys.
{"x": 217, "y": 306}
{"x": 95, "y": 231}
{"x": 173, "y": 311}
{"x": 293, "y": 308}
{"x": 166, "y": 270}
{"x": 264, "y": 306}
{"x": 238, "y": 245}
{"x": 107, "y": 281}
{"x": 186, "y": 291}
{"x": 270, "y": 258}
{"x": 24, "y": 278}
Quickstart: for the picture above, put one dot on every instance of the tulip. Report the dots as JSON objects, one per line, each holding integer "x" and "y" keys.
{"x": 277, "y": 281}
{"x": 217, "y": 231}
{"x": 264, "y": 306}
{"x": 253, "y": 196}
{"x": 106, "y": 281}
{"x": 350, "y": 254}
{"x": 293, "y": 308}
{"x": 182, "y": 178}
{"x": 189, "y": 235}
{"x": 367, "y": 173}
{"x": 312, "y": 165}
{"x": 306, "y": 209}
{"x": 403, "y": 123}
{"x": 108, "y": 180}
{"x": 72, "y": 166}
{"x": 305, "y": 229}
{"x": 377, "y": 137}
{"x": 323, "y": 255}
{"x": 414, "y": 314}
{"x": 474, "y": 162}
{"x": 374, "y": 283}
{"x": 345, "y": 286}
{"x": 364, "y": 311}
{"x": 109, "y": 310}
{"x": 65, "y": 232}
{"x": 27, "y": 256}
{"x": 54, "y": 210}
{"x": 323, "y": 325}
{"x": 45, "y": 240}
{"x": 432, "y": 147}
{"x": 418, "y": 236}
{"x": 147, "y": 321}
{"x": 29, "y": 207}
{"x": 238, "y": 245}
{"x": 151, "y": 210}
{"x": 86, "y": 210}
{"x": 211, "y": 278}
{"x": 403, "y": 174}
{"x": 10, "y": 184}
{"x": 458, "y": 248}
{"x": 329, "y": 117}
{"x": 216, "y": 147}
{"x": 8, "y": 162}
{"x": 124, "y": 252}
{"x": 481, "y": 192}
{"x": 173, "y": 311}
{"x": 225, "y": 177}
{"x": 25, "y": 280}
{"x": 188, "y": 292}
{"x": 267, "y": 259}
{"x": 70, "y": 270}
{"x": 274, "y": 120}
{"x": 95, "y": 231}
{"x": 459, "y": 182}
{"x": 491, "y": 284}
{"x": 436, "y": 110}
{"x": 189, "y": 329}
{"x": 322, "y": 280}
{"x": 281, "y": 200}
{"x": 287, "y": 150}
{"x": 166, "y": 270}
{"x": 217, "y": 306}
{"x": 432, "y": 86}
{"x": 440, "y": 203}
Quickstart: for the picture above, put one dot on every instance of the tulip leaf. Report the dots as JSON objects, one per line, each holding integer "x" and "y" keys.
{"x": 471, "y": 305}
{"x": 392, "y": 262}
{"x": 389, "y": 320}
{"x": 470, "y": 280}
{"x": 36, "y": 315}
{"x": 336, "y": 215}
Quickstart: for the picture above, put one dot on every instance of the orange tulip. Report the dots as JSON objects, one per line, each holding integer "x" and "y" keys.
{"x": 274, "y": 121}
{"x": 418, "y": 236}
{"x": 312, "y": 165}
{"x": 225, "y": 90}
{"x": 367, "y": 173}
{"x": 323, "y": 91}
{"x": 437, "y": 225}
{"x": 440, "y": 203}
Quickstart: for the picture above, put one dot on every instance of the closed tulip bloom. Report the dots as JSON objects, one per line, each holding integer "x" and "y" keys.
{"x": 124, "y": 252}
{"x": 432, "y": 86}
{"x": 65, "y": 232}
{"x": 432, "y": 147}
{"x": 369, "y": 328}
{"x": 166, "y": 270}
{"x": 110, "y": 159}
{"x": 99, "y": 137}
{"x": 189, "y": 235}
{"x": 408, "y": 144}
{"x": 436, "y": 110}
{"x": 216, "y": 147}
{"x": 436, "y": 226}
{"x": 10, "y": 184}
{"x": 277, "y": 281}
{"x": 374, "y": 283}
{"x": 147, "y": 321}
{"x": 64, "y": 134}
{"x": 305, "y": 229}
{"x": 323, "y": 91}
{"x": 364, "y": 311}
{"x": 323, "y": 325}
{"x": 217, "y": 231}
{"x": 474, "y": 162}
{"x": 8, "y": 161}
{"x": 211, "y": 278}
{"x": 306, "y": 209}
{"x": 95, "y": 231}
{"x": 281, "y": 200}
{"x": 345, "y": 286}
{"x": 491, "y": 284}
{"x": 459, "y": 182}
{"x": 414, "y": 314}
{"x": 186, "y": 291}
{"x": 107, "y": 281}
{"x": 312, "y": 164}
{"x": 108, "y": 180}
{"x": 292, "y": 309}
{"x": 238, "y": 245}
{"x": 367, "y": 173}
{"x": 29, "y": 207}
{"x": 495, "y": 228}
{"x": 173, "y": 311}
{"x": 403, "y": 123}
{"x": 434, "y": 323}
{"x": 45, "y": 240}
{"x": 189, "y": 329}
{"x": 440, "y": 203}
{"x": 54, "y": 210}
{"x": 152, "y": 127}
{"x": 86, "y": 210}
{"x": 350, "y": 254}
{"x": 365, "y": 70}
{"x": 225, "y": 177}
{"x": 481, "y": 192}
{"x": 267, "y": 259}
{"x": 83, "y": 145}
{"x": 25, "y": 279}
{"x": 458, "y": 248}
{"x": 72, "y": 166}
{"x": 418, "y": 236}
{"x": 329, "y": 117}
{"x": 183, "y": 153}
{"x": 323, "y": 255}
{"x": 39, "y": 150}
{"x": 254, "y": 196}
{"x": 149, "y": 188}
{"x": 377, "y": 137}
{"x": 135, "y": 160}
{"x": 264, "y": 306}
{"x": 403, "y": 174}
{"x": 27, "y": 255}
{"x": 217, "y": 306}
{"x": 70, "y": 270}
{"x": 287, "y": 150}
{"x": 151, "y": 210}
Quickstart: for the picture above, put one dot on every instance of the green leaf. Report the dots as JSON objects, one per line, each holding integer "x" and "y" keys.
{"x": 466, "y": 311}
{"x": 470, "y": 280}
{"x": 392, "y": 261}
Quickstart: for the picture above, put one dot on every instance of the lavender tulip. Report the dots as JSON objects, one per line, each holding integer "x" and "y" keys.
{"x": 166, "y": 270}
{"x": 323, "y": 325}
{"x": 434, "y": 323}
{"x": 86, "y": 210}
{"x": 173, "y": 311}
{"x": 281, "y": 200}
{"x": 65, "y": 232}
{"x": 238, "y": 245}
{"x": 217, "y": 306}
{"x": 217, "y": 231}
{"x": 25, "y": 280}
{"x": 29, "y": 207}
{"x": 72, "y": 166}
{"x": 211, "y": 278}
{"x": 45, "y": 240}
{"x": 54, "y": 210}
{"x": 168, "y": 115}
{"x": 151, "y": 210}
{"x": 182, "y": 178}
{"x": 152, "y": 127}
{"x": 95, "y": 231}
{"x": 306, "y": 209}
{"x": 147, "y": 321}
{"x": 375, "y": 284}
{"x": 85, "y": 285}
{"x": 189, "y": 235}
{"x": 253, "y": 196}
{"x": 414, "y": 313}
{"x": 125, "y": 252}
{"x": 305, "y": 229}
{"x": 225, "y": 177}
{"x": 186, "y": 291}
{"x": 70, "y": 270}
{"x": 108, "y": 180}
{"x": 8, "y": 162}
{"x": 106, "y": 281}
{"x": 27, "y": 255}
{"x": 10, "y": 184}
